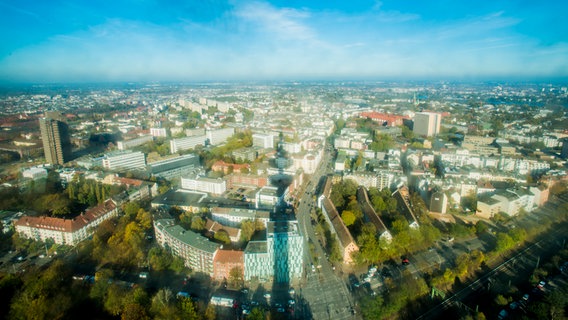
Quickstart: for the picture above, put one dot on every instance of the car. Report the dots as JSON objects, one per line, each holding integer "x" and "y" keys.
{"x": 541, "y": 285}
{"x": 267, "y": 295}
{"x": 526, "y": 297}
{"x": 291, "y": 291}
{"x": 281, "y": 310}
{"x": 405, "y": 261}
{"x": 291, "y": 302}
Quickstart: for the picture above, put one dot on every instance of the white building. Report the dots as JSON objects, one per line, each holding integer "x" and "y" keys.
{"x": 128, "y": 144}
{"x": 217, "y": 136}
{"x": 124, "y": 160}
{"x": 158, "y": 132}
{"x": 202, "y": 184}
{"x": 177, "y": 145}
{"x": 233, "y": 217}
{"x": 427, "y": 123}
{"x": 263, "y": 140}
{"x": 35, "y": 173}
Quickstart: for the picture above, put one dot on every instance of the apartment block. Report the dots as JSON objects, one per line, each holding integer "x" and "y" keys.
{"x": 124, "y": 160}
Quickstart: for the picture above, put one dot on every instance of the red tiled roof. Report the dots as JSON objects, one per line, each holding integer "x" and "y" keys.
{"x": 68, "y": 225}
{"x": 229, "y": 256}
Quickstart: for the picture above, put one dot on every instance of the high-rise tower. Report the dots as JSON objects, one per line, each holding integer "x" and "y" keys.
{"x": 55, "y": 136}
{"x": 427, "y": 123}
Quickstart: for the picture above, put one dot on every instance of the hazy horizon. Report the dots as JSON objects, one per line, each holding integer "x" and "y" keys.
{"x": 132, "y": 41}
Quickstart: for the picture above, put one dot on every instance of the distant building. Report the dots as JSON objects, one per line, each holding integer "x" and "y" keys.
{"x": 263, "y": 140}
{"x": 202, "y": 184}
{"x": 174, "y": 167}
{"x": 158, "y": 132}
{"x": 66, "y": 231}
{"x": 128, "y": 144}
{"x": 217, "y": 136}
{"x": 55, "y": 137}
{"x": 564, "y": 152}
{"x": 35, "y": 173}
{"x": 427, "y": 123}
{"x": 391, "y": 120}
{"x": 439, "y": 202}
{"x": 235, "y": 216}
{"x": 197, "y": 251}
{"x": 124, "y": 160}
{"x": 186, "y": 143}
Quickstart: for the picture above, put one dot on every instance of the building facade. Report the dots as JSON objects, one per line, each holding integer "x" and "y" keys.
{"x": 427, "y": 123}
{"x": 66, "y": 231}
{"x": 202, "y": 184}
{"x": 124, "y": 160}
{"x": 55, "y": 137}
{"x": 197, "y": 251}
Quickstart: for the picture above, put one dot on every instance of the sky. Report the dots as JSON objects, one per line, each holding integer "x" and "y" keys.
{"x": 212, "y": 40}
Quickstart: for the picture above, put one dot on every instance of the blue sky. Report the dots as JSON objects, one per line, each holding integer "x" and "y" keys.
{"x": 149, "y": 40}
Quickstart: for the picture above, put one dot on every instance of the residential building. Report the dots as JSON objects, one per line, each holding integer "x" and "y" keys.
{"x": 128, "y": 144}
{"x": 263, "y": 140}
{"x": 213, "y": 227}
{"x": 197, "y": 183}
{"x": 258, "y": 262}
{"x": 35, "y": 173}
{"x": 66, "y": 231}
{"x": 390, "y": 120}
{"x": 158, "y": 132}
{"x": 371, "y": 215}
{"x": 402, "y": 197}
{"x": 233, "y": 217}
{"x": 427, "y": 123}
{"x": 124, "y": 160}
{"x": 197, "y": 251}
{"x": 439, "y": 202}
{"x": 237, "y": 179}
{"x": 227, "y": 168}
{"x": 346, "y": 242}
{"x": 227, "y": 262}
{"x": 55, "y": 137}
{"x": 174, "y": 167}
{"x": 217, "y": 136}
{"x": 285, "y": 245}
{"x": 186, "y": 143}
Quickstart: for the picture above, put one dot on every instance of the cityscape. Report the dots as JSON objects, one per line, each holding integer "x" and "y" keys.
{"x": 305, "y": 160}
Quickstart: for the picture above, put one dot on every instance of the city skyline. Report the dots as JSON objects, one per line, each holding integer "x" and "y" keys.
{"x": 277, "y": 40}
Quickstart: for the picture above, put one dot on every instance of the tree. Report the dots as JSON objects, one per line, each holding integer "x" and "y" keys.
{"x": 188, "y": 309}
{"x": 210, "y": 312}
{"x": 197, "y": 223}
{"x": 159, "y": 258}
{"x": 222, "y": 236}
{"x": 500, "y": 300}
{"x": 134, "y": 311}
{"x": 348, "y": 217}
{"x": 504, "y": 242}
{"x": 236, "y": 276}
{"x": 131, "y": 208}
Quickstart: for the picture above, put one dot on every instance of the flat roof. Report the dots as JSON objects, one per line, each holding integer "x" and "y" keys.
{"x": 193, "y": 239}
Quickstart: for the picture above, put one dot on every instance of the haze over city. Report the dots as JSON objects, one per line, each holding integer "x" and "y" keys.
{"x": 60, "y": 41}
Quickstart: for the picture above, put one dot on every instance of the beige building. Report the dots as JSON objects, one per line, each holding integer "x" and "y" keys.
{"x": 66, "y": 231}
